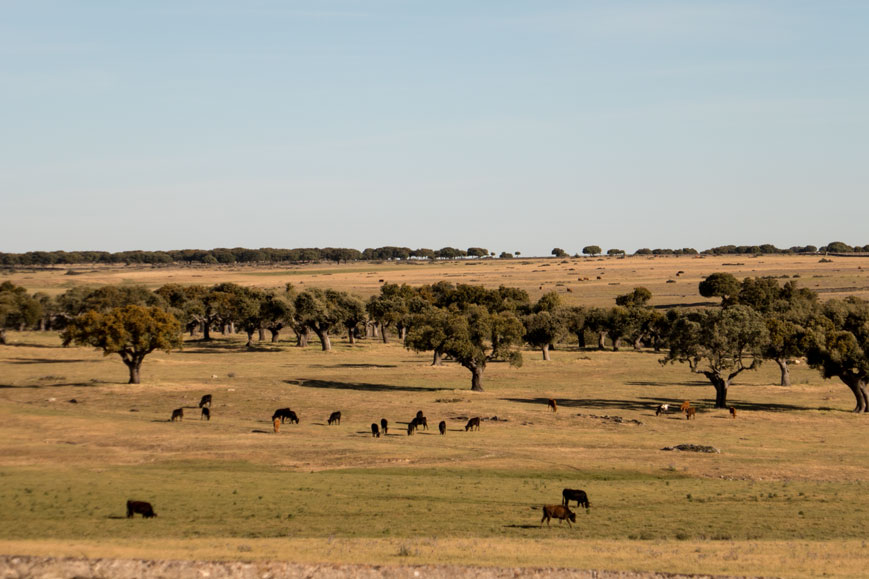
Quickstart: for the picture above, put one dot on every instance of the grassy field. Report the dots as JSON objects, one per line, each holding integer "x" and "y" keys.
{"x": 786, "y": 496}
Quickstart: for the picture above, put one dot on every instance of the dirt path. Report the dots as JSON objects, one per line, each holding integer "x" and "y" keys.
{"x": 14, "y": 567}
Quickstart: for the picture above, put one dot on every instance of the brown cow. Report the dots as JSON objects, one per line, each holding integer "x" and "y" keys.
{"x": 552, "y": 404}
{"x": 375, "y": 431}
{"x": 384, "y": 426}
{"x": 685, "y": 406}
{"x": 140, "y": 507}
{"x": 335, "y": 417}
{"x": 206, "y": 414}
{"x": 559, "y": 512}
{"x": 690, "y": 413}
{"x": 177, "y": 413}
{"x": 662, "y": 409}
{"x": 732, "y": 412}
{"x": 442, "y": 427}
{"x": 473, "y": 423}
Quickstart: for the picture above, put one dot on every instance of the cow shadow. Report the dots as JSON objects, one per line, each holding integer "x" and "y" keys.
{"x": 362, "y": 386}
{"x": 116, "y": 517}
{"x": 522, "y": 526}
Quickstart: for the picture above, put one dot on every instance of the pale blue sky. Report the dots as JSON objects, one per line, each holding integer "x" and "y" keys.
{"x": 168, "y": 124}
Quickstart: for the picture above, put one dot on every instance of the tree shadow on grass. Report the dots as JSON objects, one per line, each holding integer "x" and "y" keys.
{"x": 651, "y": 383}
{"x": 46, "y": 361}
{"x": 585, "y": 403}
{"x": 354, "y": 366}
{"x": 30, "y": 345}
{"x": 365, "y": 387}
{"x": 57, "y": 385}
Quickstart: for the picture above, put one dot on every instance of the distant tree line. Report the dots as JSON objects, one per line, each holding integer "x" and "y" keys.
{"x": 268, "y": 255}
{"x": 265, "y": 255}
{"x": 757, "y": 319}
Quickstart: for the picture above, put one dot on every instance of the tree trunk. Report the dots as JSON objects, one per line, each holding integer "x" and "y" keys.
{"x": 325, "y": 343}
{"x": 580, "y": 339}
{"x": 858, "y": 389}
{"x": 275, "y": 334}
{"x": 134, "y": 367}
{"x": 42, "y": 324}
{"x": 249, "y": 339}
{"x": 477, "y": 378}
{"x": 437, "y": 359}
{"x": 601, "y": 340}
{"x": 785, "y": 372}
{"x": 206, "y": 331}
{"x": 616, "y": 344}
{"x": 638, "y": 343}
{"x": 383, "y": 333}
{"x": 351, "y": 335}
{"x": 3, "y": 336}
{"x": 546, "y": 352}
{"x": 721, "y": 386}
{"x": 402, "y": 333}
{"x": 262, "y": 334}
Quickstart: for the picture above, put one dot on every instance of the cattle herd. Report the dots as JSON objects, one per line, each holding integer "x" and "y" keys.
{"x": 561, "y": 512}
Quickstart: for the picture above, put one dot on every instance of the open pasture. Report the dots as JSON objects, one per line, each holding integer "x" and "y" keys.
{"x": 672, "y": 280}
{"x": 786, "y": 496}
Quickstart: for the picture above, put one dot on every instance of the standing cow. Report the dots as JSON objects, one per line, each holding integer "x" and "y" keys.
{"x": 559, "y": 512}
{"x": 140, "y": 507}
{"x": 442, "y": 427}
{"x": 577, "y": 495}
{"x": 384, "y": 426}
{"x": 206, "y": 414}
{"x": 335, "y": 418}
{"x": 552, "y": 404}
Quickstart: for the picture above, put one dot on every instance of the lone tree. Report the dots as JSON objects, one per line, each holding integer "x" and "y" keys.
{"x": 591, "y": 250}
{"x": 558, "y": 252}
{"x": 546, "y": 324}
{"x": 720, "y": 344}
{"x": 132, "y": 332}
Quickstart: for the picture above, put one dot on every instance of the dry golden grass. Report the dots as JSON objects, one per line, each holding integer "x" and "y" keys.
{"x": 841, "y": 276}
{"x": 784, "y": 497}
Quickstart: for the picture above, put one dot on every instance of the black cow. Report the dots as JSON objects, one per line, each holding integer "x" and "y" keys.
{"x": 559, "y": 512}
{"x": 206, "y": 400}
{"x": 206, "y": 414}
{"x": 384, "y": 426}
{"x": 375, "y": 431}
{"x": 473, "y": 423}
{"x": 178, "y": 413}
{"x": 442, "y": 427}
{"x": 411, "y": 426}
{"x": 335, "y": 417}
{"x": 140, "y": 507}
{"x": 285, "y": 414}
{"x": 577, "y": 495}
{"x": 421, "y": 421}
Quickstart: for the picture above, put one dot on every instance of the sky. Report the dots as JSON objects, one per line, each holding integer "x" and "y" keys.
{"x": 510, "y": 125}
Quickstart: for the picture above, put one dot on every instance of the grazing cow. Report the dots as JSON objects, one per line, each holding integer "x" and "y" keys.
{"x": 384, "y": 426}
{"x": 559, "y": 512}
{"x": 577, "y": 495}
{"x": 473, "y": 423}
{"x": 177, "y": 413}
{"x": 442, "y": 427}
{"x": 691, "y": 413}
{"x": 662, "y": 409}
{"x": 206, "y": 414}
{"x": 552, "y": 404}
{"x": 206, "y": 400}
{"x": 685, "y": 406}
{"x": 411, "y": 426}
{"x": 285, "y": 414}
{"x": 375, "y": 431}
{"x": 732, "y": 412}
{"x": 140, "y": 507}
{"x": 335, "y": 418}
{"x": 277, "y": 424}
